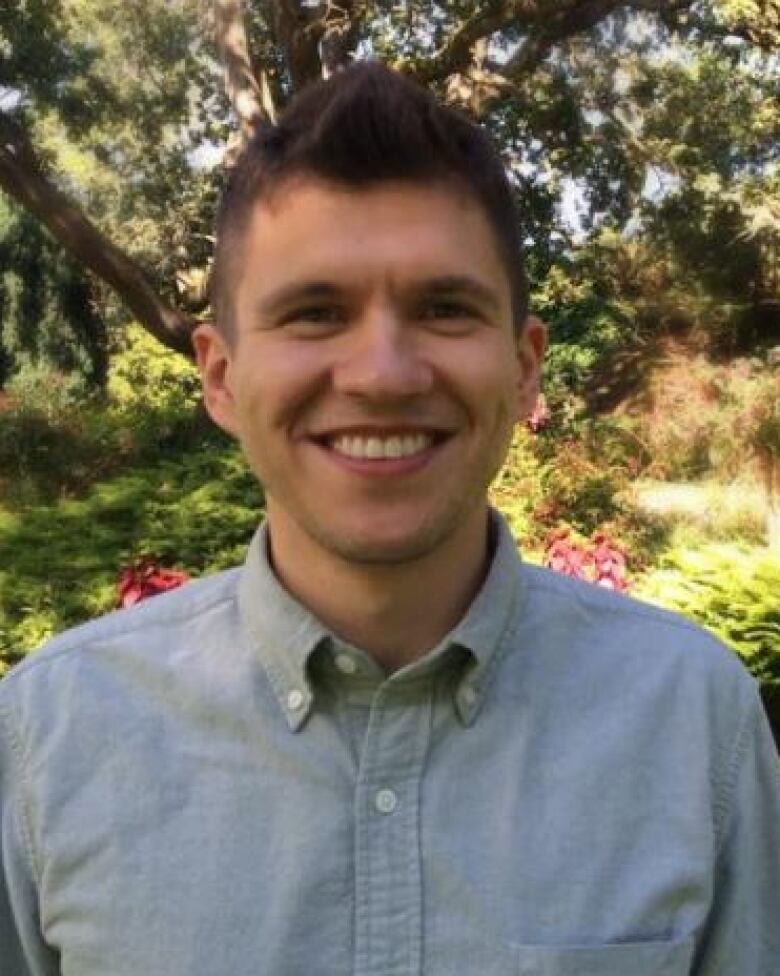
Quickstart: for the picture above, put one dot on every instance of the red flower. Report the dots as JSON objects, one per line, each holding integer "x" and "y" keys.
{"x": 144, "y": 579}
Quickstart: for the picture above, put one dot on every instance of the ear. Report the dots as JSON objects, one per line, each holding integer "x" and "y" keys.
{"x": 214, "y": 358}
{"x": 531, "y": 344}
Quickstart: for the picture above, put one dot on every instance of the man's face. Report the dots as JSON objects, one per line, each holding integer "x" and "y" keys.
{"x": 373, "y": 377}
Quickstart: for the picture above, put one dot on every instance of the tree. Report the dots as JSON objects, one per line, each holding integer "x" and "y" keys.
{"x": 106, "y": 116}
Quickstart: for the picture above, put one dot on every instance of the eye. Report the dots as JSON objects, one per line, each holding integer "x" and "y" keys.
{"x": 445, "y": 308}
{"x": 448, "y": 315}
{"x": 309, "y": 316}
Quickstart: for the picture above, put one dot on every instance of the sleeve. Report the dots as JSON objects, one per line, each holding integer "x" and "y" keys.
{"x": 742, "y": 934}
{"x": 22, "y": 950}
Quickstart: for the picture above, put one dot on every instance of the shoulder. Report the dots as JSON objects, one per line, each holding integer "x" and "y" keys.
{"x": 609, "y": 624}
{"x": 588, "y": 651}
{"x": 155, "y": 628}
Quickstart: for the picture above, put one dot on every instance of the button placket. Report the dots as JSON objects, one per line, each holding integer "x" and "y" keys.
{"x": 388, "y": 936}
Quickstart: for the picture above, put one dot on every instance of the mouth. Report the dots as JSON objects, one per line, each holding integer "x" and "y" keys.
{"x": 372, "y": 448}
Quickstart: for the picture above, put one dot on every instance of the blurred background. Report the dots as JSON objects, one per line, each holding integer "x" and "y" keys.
{"x": 643, "y": 140}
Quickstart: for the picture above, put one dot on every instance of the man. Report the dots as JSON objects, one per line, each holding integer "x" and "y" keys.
{"x": 384, "y": 746}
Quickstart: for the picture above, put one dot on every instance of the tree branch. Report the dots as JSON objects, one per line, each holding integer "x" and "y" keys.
{"x": 251, "y": 101}
{"x": 455, "y": 56}
{"x": 577, "y": 18}
{"x": 544, "y": 28}
{"x": 298, "y": 31}
{"x": 22, "y": 177}
{"x": 340, "y": 31}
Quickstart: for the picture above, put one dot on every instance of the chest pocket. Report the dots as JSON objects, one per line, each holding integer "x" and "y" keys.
{"x": 622, "y": 959}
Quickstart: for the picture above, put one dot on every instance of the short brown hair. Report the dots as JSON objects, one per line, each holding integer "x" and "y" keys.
{"x": 367, "y": 125}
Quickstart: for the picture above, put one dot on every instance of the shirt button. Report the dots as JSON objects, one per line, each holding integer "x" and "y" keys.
{"x": 345, "y": 664}
{"x": 294, "y": 700}
{"x": 385, "y": 801}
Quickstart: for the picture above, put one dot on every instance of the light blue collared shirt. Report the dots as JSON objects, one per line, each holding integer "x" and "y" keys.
{"x": 210, "y": 784}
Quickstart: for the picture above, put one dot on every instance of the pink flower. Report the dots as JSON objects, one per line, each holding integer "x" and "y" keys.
{"x": 540, "y": 416}
{"x": 598, "y": 561}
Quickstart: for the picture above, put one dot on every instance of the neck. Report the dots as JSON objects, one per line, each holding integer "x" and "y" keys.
{"x": 387, "y": 610}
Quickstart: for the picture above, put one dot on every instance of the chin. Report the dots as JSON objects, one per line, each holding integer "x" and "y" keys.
{"x": 393, "y": 546}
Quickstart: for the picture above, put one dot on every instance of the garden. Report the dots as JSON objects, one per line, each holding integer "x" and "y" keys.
{"x": 643, "y": 150}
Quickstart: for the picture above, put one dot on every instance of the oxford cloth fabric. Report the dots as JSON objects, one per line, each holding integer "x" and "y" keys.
{"x": 571, "y": 784}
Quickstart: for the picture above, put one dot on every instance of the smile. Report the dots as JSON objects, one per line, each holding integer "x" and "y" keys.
{"x": 381, "y": 448}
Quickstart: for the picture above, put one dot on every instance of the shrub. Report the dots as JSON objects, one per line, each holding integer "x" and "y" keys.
{"x": 44, "y": 453}
{"x": 56, "y": 439}
{"x": 731, "y": 590}
{"x": 517, "y": 489}
{"x": 707, "y": 417}
{"x": 145, "y": 376}
{"x": 60, "y": 562}
{"x": 45, "y": 391}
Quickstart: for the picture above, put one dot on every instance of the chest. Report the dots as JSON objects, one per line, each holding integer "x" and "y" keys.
{"x": 376, "y": 841}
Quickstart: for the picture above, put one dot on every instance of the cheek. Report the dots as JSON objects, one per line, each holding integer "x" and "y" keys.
{"x": 273, "y": 397}
{"x": 491, "y": 377}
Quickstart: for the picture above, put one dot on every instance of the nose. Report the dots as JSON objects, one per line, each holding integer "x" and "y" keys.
{"x": 383, "y": 360}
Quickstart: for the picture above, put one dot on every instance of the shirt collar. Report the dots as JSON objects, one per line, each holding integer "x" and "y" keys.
{"x": 287, "y": 634}
{"x": 487, "y": 628}
{"x": 284, "y": 631}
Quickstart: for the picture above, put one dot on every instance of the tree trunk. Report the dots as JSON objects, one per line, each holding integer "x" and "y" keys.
{"x": 22, "y": 177}
{"x": 771, "y": 471}
{"x": 250, "y": 100}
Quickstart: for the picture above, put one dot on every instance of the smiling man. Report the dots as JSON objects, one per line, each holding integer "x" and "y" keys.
{"x": 384, "y": 746}
{"x": 392, "y": 376}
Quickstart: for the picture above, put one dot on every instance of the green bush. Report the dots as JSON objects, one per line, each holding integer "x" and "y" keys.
{"x": 152, "y": 394}
{"x": 43, "y": 390}
{"x": 57, "y": 439}
{"x": 517, "y": 488}
{"x": 732, "y": 590}
{"x": 44, "y": 455}
{"x": 60, "y": 562}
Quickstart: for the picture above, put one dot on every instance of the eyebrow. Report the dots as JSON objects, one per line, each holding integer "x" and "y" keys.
{"x": 460, "y": 285}
{"x": 302, "y": 291}
{"x": 297, "y": 292}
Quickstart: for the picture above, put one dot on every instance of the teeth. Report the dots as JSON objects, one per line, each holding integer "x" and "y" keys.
{"x": 376, "y": 448}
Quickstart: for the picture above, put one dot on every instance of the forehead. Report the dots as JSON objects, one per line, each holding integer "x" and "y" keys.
{"x": 308, "y": 226}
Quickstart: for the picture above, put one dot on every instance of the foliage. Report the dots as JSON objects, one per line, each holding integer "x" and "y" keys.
{"x": 50, "y": 442}
{"x": 732, "y": 591}
{"x": 47, "y": 309}
{"x": 118, "y": 101}
{"x": 60, "y": 562}
{"x": 586, "y": 326}
{"x": 150, "y": 391}
{"x": 57, "y": 437}
{"x": 702, "y": 416}
{"x": 123, "y": 104}
{"x": 517, "y": 488}
{"x": 576, "y": 483}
